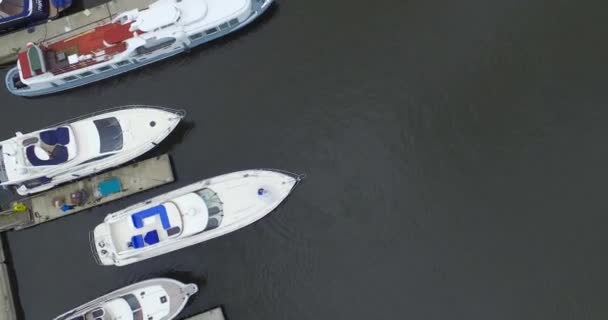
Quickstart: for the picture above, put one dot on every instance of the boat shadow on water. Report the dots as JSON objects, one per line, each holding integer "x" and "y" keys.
{"x": 176, "y": 138}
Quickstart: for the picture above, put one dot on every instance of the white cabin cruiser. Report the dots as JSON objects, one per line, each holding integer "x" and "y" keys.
{"x": 40, "y": 160}
{"x": 154, "y": 299}
{"x": 189, "y": 215}
{"x": 131, "y": 40}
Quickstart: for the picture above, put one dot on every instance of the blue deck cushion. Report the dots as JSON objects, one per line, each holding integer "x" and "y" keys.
{"x": 56, "y": 136}
{"x": 138, "y": 218}
{"x": 63, "y": 135}
{"x": 109, "y": 187}
{"x": 137, "y": 241}
{"x": 58, "y": 156}
{"x": 152, "y": 237}
{"x": 48, "y": 137}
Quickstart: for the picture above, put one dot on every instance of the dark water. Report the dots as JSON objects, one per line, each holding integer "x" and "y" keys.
{"x": 455, "y": 151}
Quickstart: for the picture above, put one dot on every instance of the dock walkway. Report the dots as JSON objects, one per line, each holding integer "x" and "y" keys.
{"x": 213, "y": 314}
{"x": 12, "y": 43}
{"x": 134, "y": 178}
{"x": 7, "y": 304}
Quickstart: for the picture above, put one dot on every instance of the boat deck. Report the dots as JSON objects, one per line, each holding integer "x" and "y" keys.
{"x": 134, "y": 178}
{"x": 79, "y": 51}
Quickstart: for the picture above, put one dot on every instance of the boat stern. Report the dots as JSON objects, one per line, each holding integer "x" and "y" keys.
{"x": 101, "y": 244}
{"x": 14, "y": 84}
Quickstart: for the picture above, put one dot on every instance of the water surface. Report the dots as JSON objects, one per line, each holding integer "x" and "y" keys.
{"x": 455, "y": 153}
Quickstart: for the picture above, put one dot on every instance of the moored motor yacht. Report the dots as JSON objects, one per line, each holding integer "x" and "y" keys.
{"x": 42, "y": 159}
{"x": 189, "y": 215}
{"x": 157, "y": 299}
{"x": 15, "y": 14}
{"x": 132, "y": 39}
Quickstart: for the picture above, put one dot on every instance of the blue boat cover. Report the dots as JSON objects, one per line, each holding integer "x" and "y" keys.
{"x": 151, "y": 237}
{"x": 137, "y": 241}
{"x": 138, "y": 218}
{"x": 57, "y": 136}
{"x": 109, "y": 187}
{"x": 58, "y": 156}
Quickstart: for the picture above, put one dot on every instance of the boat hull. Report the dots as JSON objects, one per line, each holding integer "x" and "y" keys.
{"x": 242, "y": 207}
{"x": 29, "y": 185}
{"x": 179, "y": 293}
{"x": 260, "y": 6}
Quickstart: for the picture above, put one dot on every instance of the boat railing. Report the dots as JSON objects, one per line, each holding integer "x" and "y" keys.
{"x": 179, "y": 112}
{"x": 77, "y": 31}
{"x": 94, "y": 248}
{"x": 79, "y": 65}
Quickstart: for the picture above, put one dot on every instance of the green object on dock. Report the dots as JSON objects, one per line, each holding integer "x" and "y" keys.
{"x": 19, "y": 207}
{"x": 109, "y": 187}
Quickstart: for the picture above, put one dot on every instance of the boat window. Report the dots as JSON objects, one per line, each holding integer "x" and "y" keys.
{"x": 106, "y": 68}
{"x": 196, "y": 36}
{"x": 70, "y": 78}
{"x": 233, "y": 22}
{"x": 110, "y": 134}
{"x": 123, "y": 63}
{"x": 86, "y": 74}
{"x": 211, "y": 31}
{"x": 155, "y": 44}
{"x": 36, "y": 182}
{"x": 224, "y": 26}
{"x": 3, "y": 175}
{"x": 9, "y": 8}
{"x": 97, "y": 313}
{"x": 97, "y": 158}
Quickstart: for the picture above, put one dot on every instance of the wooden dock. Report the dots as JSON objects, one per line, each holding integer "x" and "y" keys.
{"x": 213, "y": 314}
{"x": 7, "y": 304}
{"x": 47, "y": 206}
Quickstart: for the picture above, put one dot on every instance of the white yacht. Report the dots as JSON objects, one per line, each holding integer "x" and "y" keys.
{"x": 154, "y": 299}
{"x": 189, "y": 215}
{"x": 131, "y": 40}
{"x": 40, "y": 160}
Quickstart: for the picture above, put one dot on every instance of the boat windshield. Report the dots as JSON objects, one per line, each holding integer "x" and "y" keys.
{"x": 10, "y": 8}
{"x": 134, "y": 305}
{"x": 3, "y": 174}
{"x": 110, "y": 134}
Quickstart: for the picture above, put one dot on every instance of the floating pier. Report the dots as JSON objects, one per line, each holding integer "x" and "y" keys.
{"x": 213, "y": 314}
{"x": 7, "y": 304}
{"x": 12, "y": 43}
{"x": 87, "y": 193}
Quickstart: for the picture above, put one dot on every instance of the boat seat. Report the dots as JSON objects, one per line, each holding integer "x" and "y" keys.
{"x": 160, "y": 210}
{"x": 58, "y": 156}
{"x": 57, "y": 136}
{"x": 152, "y": 237}
{"x": 137, "y": 241}
{"x": 173, "y": 231}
